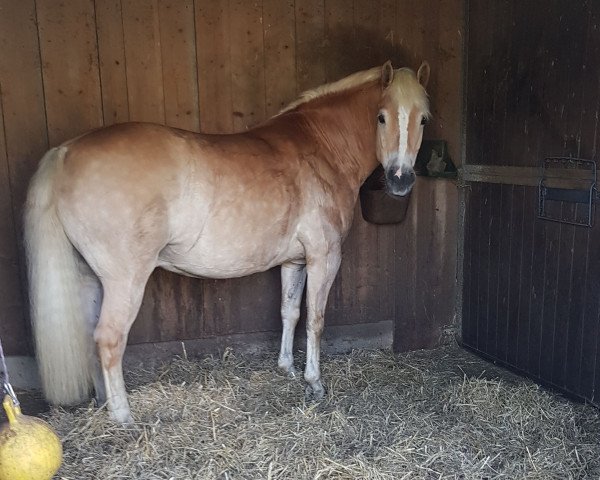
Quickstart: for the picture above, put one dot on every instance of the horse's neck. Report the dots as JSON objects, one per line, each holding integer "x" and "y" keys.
{"x": 345, "y": 125}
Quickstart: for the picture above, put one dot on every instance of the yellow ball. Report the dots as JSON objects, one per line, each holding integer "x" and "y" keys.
{"x": 29, "y": 448}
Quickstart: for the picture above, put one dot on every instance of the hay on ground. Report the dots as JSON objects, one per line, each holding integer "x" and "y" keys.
{"x": 414, "y": 416}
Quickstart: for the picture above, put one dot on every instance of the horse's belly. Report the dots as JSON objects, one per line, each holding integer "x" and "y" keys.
{"x": 230, "y": 258}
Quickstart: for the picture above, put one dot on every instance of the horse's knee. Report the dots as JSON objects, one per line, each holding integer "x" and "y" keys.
{"x": 315, "y": 324}
{"x": 290, "y": 313}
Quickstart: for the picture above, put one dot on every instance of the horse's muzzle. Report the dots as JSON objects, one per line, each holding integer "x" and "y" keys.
{"x": 400, "y": 181}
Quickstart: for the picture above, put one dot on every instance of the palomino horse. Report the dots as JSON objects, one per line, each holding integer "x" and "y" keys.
{"x": 107, "y": 208}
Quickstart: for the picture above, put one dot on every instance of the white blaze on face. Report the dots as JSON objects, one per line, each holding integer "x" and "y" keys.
{"x": 403, "y": 118}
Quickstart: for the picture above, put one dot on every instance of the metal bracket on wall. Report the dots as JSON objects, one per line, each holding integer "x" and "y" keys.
{"x": 566, "y": 190}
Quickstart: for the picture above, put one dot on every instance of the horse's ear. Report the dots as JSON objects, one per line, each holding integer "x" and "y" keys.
{"x": 387, "y": 74}
{"x": 423, "y": 74}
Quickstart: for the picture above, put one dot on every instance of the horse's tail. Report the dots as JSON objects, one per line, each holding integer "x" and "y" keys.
{"x": 57, "y": 312}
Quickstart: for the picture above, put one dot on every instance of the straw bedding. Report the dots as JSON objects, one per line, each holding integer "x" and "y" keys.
{"x": 429, "y": 414}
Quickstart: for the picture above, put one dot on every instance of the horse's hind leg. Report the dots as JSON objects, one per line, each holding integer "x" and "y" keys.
{"x": 120, "y": 306}
{"x": 293, "y": 278}
{"x": 92, "y": 295}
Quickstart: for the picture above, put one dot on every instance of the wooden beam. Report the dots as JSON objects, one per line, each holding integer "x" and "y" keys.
{"x": 528, "y": 176}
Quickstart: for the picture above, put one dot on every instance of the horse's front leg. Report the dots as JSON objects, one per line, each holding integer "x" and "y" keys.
{"x": 322, "y": 270}
{"x": 293, "y": 279}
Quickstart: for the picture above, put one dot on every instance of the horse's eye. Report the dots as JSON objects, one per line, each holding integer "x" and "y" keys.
{"x": 424, "y": 120}
{"x": 381, "y": 119}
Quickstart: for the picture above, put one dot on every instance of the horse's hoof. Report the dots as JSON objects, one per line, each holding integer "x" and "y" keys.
{"x": 123, "y": 418}
{"x": 289, "y": 372}
{"x": 314, "y": 392}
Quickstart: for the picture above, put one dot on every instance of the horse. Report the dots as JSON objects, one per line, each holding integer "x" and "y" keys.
{"x": 105, "y": 209}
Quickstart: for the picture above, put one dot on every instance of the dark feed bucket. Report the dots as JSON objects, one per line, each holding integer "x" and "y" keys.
{"x": 377, "y": 205}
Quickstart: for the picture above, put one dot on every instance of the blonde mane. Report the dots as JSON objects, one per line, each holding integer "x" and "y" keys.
{"x": 407, "y": 89}
{"x": 345, "y": 83}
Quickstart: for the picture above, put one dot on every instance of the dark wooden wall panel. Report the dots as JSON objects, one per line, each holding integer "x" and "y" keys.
{"x": 112, "y": 63}
{"x": 25, "y": 138}
{"x": 531, "y": 65}
{"x": 67, "y": 34}
{"x": 532, "y": 287}
{"x": 11, "y": 301}
{"x": 223, "y": 66}
{"x": 178, "y": 53}
{"x": 310, "y": 44}
{"x": 280, "y": 55}
{"x": 143, "y": 57}
{"x": 214, "y": 67}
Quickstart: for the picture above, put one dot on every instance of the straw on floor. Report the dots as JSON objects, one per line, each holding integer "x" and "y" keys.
{"x": 433, "y": 414}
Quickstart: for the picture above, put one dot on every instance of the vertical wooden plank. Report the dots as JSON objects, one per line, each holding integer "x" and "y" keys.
{"x": 13, "y": 326}
{"x": 387, "y": 279}
{"x": 436, "y": 260}
{"x": 387, "y": 27}
{"x": 446, "y": 75}
{"x": 280, "y": 54}
{"x": 470, "y": 271}
{"x": 111, "y": 53}
{"x": 368, "y": 37}
{"x": 178, "y": 48}
{"x": 214, "y": 65}
{"x": 477, "y": 278}
{"x": 23, "y": 141}
{"x": 310, "y": 44}
{"x": 590, "y": 345}
{"x": 247, "y": 64}
{"x": 479, "y": 84}
{"x": 589, "y": 386}
{"x": 515, "y": 274}
{"x": 70, "y": 68}
{"x": 339, "y": 34}
{"x": 494, "y": 264}
{"x": 575, "y": 314}
{"x": 554, "y": 232}
{"x": 582, "y": 353}
{"x": 569, "y": 253}
{"x": 505, "y": 275}
{"x": 527, "y": 278}
{"x": 485, "y": 222}
{"x": 562, "y": 306}
{"x": 408, "y": 29}
{"x": 426, "y": 287}
{"x": 406, "y": 269}
{"x": 143, "y": 61}
{"x": 22, "y": 92}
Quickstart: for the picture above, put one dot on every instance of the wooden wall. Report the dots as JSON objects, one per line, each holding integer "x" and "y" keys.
{"x": 532, "y": 287}
{"x": 221, "y": 66}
